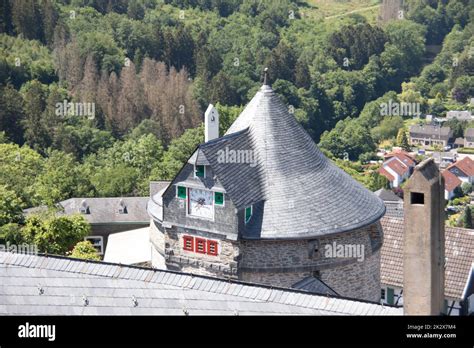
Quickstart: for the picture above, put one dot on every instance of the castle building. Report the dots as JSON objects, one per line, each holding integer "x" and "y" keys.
{"x": 262, "y": 204}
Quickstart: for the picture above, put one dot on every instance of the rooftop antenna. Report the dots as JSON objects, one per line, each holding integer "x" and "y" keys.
{"x": 265, "y": 76}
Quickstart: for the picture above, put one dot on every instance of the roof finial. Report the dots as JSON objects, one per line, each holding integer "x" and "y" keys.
{"x": 265, "y": 76}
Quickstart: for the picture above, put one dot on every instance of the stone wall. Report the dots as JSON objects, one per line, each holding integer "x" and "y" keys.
{"x": 224, "y": 264}
{"x": 283, "y": 263}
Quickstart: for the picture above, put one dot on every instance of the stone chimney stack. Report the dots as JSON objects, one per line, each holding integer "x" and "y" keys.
{"x": 423, "y": 259}
{"x": 211, "y": 123}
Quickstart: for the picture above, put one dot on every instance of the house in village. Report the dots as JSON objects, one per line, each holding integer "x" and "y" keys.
{"x": 397, "y": 167}
{"x": 430, "y": 135}
{"x": 463, "y": 169}
{"x": 459, "y": 115}
{"x": 105, "y": 215}
{"x": 393, "y": 203}
{"x": 247, "y": 206}
{"x": 451, "y": 183}
{"x": 469, "y": 138}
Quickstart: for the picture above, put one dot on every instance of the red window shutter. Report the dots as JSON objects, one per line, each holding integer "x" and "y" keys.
{"x": 212, "y": 247}
{"x": 200, "y": 246}
{"x": 188, "y": 243}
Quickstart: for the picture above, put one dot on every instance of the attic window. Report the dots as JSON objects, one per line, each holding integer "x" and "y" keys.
{"x": 218, "y": 198}
{"x": 200, "y": 171}
{"x": 84, "y": 209}
{"x": 248, "y": 214}
{"x": 417, "y": 198}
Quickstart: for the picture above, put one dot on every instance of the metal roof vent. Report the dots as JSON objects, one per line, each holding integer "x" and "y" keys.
{"x": 122, "y": 209}
{"x": 134, "y": 301}
{"x": 85, "y": 301}
{"x": 40, "y": 290}
{"x": 84, "y": 209}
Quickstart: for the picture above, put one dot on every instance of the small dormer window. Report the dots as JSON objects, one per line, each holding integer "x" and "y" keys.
{"x": 248, "y": 214}
{"x": 84, "y": 209}
{"x": 122, "y": 208}
{"x": 200, "y": 171}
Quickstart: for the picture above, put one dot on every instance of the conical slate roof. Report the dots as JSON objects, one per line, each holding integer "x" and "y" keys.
{"x": 296, "y": 192}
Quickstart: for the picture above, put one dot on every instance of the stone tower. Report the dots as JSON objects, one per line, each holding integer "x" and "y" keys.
{"x": 263, "y": 204}
{"x": 423, "y": 263}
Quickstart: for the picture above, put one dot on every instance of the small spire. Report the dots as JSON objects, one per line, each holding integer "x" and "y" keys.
{"x": 265, "y": 76}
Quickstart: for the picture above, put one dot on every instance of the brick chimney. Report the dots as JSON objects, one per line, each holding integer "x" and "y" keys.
{"x": 423, "y": 259}
{"x": 211, "y": 123}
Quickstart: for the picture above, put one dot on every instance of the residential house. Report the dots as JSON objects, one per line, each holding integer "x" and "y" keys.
{"x": 393, "y": 203}
{"x": 459, "y": 270}
{"x": 459, "y": 115}
{"x": 451, "y": 182}
{"x": 469, "y": 138}
{"x": 106, "y": 215}
{"x": 459, "y": 142}
{"x": 463, "y": 169}
{"x": 430, "y": 135}
{"x": 397, "y": 167}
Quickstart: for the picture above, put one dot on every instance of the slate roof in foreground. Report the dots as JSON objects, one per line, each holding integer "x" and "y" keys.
{"x": 296, "y": 191}
{"x": 67, "y": 285}
{"x": 459, "y": 251}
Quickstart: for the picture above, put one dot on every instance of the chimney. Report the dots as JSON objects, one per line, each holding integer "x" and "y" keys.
{"x": 423, "y": 256}
{"x": 211, "y": 124}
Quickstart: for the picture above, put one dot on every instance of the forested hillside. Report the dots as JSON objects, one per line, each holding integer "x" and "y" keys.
{"x": 151, "y": 67}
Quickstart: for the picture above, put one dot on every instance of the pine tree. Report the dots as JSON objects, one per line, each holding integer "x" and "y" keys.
{"x": 402, "y": 140}
{"x": 467, "y": 217}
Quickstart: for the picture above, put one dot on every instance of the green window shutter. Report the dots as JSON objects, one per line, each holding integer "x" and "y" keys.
{"x": 390, "y": 296}
{"x": 200, "y": 171}
{"x": 248, "y": 214}
{"x": 219, "y": 198}
{"x": 181, "y": 192}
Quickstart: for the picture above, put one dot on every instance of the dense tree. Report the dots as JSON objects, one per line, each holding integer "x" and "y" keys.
{"x": 402, "y": 139}
{"x": 55, "y": 234}
{"x": 11, "y": 113}
{"x": 466, "y": 217}
{"x": 19, "y": 169}
{"x": 10, "y": 207}
{"x": 86, "y": 251}
{"x": 352, "y": 46}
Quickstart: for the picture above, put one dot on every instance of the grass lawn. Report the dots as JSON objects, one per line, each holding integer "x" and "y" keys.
{"x": 334, "y": 9}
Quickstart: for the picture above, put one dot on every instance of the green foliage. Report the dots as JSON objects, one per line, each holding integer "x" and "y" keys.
{"x": 348, "y": 139}
{"x": 11, "y": 233}
{"x": 466, "y": 150}
{"x": 388, "y": 128}
{"x": 402, "y": 139}
{"x": 22, "y": 60}
{"x": 466, "y": 188}
{"x": 20, "y": 167}
{"x": 10, "y": 207}
{"x": 227, "y": 115}
{"x": 178, "y": 153}
{"x": 466, "y": 217}
{"x": 55, "y": 234}
{"x": 86, "y": 251}
{"x": 60, "y": 180}
{"x": 355, "y": 44}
